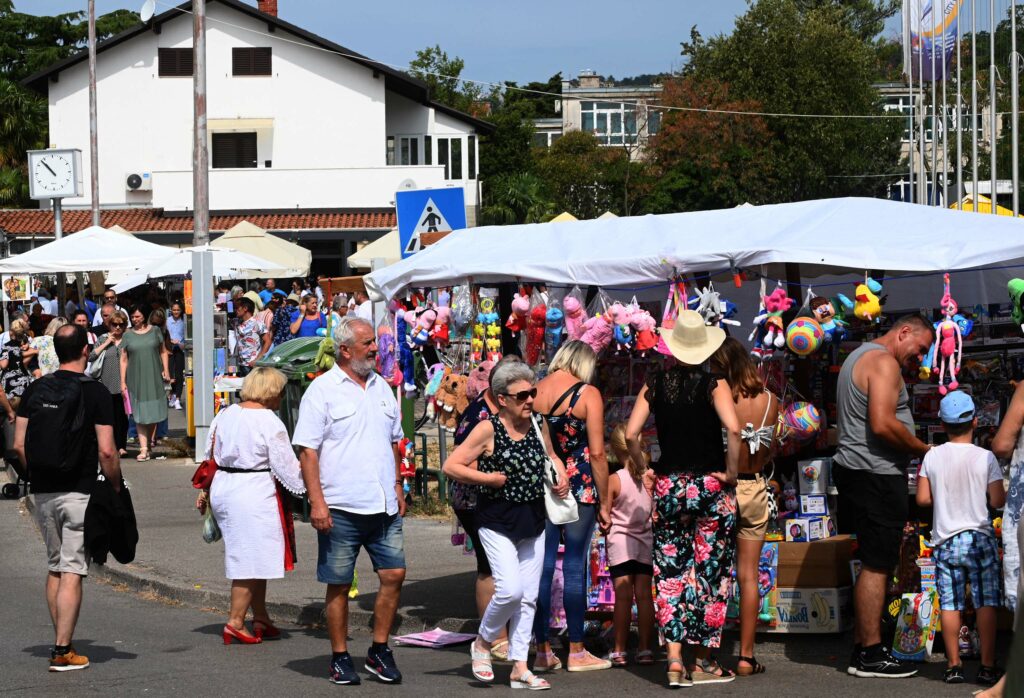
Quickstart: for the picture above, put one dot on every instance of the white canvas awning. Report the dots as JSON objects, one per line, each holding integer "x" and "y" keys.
{"x": 227, "y": 263}
{"x": 387, "y": 248}
{"x": 857, "y": 233}
{"x": 92, "y": 249}
{"x": 292, "y": 259}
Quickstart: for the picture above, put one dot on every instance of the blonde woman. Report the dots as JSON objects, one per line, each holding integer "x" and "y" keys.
{"x": 253, "y": 453}
{"x": 109, "y": 346}
{"x": 46, "y": 358}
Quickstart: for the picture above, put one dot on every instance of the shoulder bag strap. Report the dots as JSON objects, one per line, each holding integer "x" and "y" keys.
{"x": 565, "y": 395}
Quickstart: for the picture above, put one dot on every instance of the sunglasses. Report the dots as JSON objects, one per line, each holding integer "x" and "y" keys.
{"x": 522, "y": 395}
{"x": 118, "y": 324}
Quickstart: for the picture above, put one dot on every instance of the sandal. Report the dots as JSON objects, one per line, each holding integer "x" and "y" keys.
{"x": 481, "y": 663}
{"x": 677, "y": 679}
{"x": 754, "y": 667}
{"x": 499, "y": 651}
{"x": 551, "y": 663}
{"x": 265, "y": 630}
{"x": 592, "y": 663}
{"x": 618, "y": 658}
{"x": 710, "y": 671}
{"x": 529, "y": 681}
{"x": 143, "y": 456}
{"x": 645, "y": 657}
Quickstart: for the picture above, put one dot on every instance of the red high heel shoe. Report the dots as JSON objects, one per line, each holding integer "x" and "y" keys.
{"x": 265, "y": 631}
{"x": 230, "y": 634}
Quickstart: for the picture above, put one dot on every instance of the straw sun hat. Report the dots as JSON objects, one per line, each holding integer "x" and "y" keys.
{"x": 690, "y": 340}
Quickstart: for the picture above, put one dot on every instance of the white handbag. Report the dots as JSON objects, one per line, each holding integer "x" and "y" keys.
{"x": 96, "y": 367}
{"x": 560, "y": 511}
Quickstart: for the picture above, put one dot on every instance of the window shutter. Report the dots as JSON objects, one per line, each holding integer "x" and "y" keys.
{"x": 175, "y": 62}
{"x": 234, "y": 150}
{"x": 247, "y": 61}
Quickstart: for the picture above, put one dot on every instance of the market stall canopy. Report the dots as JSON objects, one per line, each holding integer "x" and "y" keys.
{"x": 92, "y": 249}
{"x": 563, "y": 217}
{"x": 984, "y": 206}
{"x": 857, "y": 233}
{"x": 227, "y": 263}
{"x": 387, "y": 248}
{"x": 254, "y": 240}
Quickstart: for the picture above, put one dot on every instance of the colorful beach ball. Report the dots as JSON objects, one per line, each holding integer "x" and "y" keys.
{"x": 802, "y": 420}
{"x": 804, "y": 336}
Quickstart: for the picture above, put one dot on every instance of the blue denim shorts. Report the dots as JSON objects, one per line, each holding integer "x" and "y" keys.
{"x": 969, "y": 556}
{"x": 380, "y": 534}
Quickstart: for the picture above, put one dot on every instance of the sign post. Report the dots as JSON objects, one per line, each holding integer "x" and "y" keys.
{"x": 428, "y": 211}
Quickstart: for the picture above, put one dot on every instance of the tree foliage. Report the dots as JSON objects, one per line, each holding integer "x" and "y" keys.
{"x": 443, "y": 76}
{"x": 580, "y": 176}
{"x": 518, "y": 197}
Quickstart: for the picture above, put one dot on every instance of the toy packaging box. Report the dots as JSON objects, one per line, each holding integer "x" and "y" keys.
{"x": 916, "y": 625}
{"x": 767, "y": 577}
{"x": 814, "y": 475}
{"x": 823, "y": 563}
{"x": 813, "y": 505}
{"x": 802, "y": 529}
{"x": 813, "y": 610}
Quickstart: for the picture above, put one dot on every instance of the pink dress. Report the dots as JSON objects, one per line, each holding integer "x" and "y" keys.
{"x": 630, "y": 537}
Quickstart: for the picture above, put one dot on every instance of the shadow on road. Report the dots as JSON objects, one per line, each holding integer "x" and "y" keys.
{"x": 97, "y": 654}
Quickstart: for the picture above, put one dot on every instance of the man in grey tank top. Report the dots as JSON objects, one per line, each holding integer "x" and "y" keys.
{"x": 876, "y": 443}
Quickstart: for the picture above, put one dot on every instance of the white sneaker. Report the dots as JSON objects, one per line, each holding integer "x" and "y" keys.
{"x": 177, "y": 403}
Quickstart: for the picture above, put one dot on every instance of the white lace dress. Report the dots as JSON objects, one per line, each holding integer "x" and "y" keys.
{"x": 245, "y": 503}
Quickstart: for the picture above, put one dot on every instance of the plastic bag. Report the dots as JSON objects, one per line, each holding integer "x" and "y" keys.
{"x": 574, "y": 308}
{"x": 532, "y": 341}
{"x": 463, "y": 309}
{"x": 211, "y": 531}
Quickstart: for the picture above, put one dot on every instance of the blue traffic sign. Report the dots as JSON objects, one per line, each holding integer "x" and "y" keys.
{"x": 428, "y": 211}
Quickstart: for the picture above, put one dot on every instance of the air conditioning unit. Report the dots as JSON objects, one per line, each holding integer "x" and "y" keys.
{"x": 138, "y": 181}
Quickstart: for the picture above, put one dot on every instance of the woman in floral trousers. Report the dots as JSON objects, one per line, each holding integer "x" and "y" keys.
{"x": 694, "y": 485}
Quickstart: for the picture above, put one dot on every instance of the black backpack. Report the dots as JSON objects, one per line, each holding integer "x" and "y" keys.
{"x": 56, "y": 436}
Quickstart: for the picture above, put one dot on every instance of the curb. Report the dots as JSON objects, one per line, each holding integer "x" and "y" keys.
{"x": 140, "y": 582}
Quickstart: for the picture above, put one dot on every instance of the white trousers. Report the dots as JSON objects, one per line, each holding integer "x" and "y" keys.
{"x": 516, "y": 568}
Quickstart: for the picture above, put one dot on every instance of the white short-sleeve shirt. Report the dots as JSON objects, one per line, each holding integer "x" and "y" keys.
{"x": 353, "y": 431}
{"x": 959, "y": 476}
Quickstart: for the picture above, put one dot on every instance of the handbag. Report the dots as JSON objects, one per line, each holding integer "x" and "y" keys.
{"x": 96, "y": 367}
{"x": 560, "y": 511}
{"x": 202, "y": 478}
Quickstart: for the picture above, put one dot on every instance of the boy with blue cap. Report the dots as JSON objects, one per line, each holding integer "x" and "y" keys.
{"x": 955, "y": 478}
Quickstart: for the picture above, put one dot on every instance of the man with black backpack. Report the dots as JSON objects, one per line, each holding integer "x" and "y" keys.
{"x": 63, "y": 435}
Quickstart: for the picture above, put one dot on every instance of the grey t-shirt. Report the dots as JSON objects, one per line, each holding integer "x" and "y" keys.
{"x": 859, "y": 448}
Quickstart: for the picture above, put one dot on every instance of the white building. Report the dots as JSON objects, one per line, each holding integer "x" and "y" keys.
{"x": 296, "y": 123}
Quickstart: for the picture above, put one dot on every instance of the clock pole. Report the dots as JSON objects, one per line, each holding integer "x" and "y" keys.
{"x": 58, "y": 233}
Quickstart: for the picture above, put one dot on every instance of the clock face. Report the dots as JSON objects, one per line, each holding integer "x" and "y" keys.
{"x": 53, "y": 173}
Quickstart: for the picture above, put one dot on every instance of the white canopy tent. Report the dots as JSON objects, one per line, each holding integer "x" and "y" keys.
{"x": 292, "y": 259}
{"x": 92, "y": 249}
{"x": 823, "y": 235}
{"x": 227, "y": 263}
{"x": 387, "y": 248}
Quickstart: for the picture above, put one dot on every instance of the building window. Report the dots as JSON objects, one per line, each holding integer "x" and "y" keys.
{"x": 442, "y": 155}
{"x": 248, "y": 61}
{"x": 234, "y": 149}
{"x": 408, "y": 150}
{"x": 612, "y": 123}
{"x": 456, "y": 159}
{"x": 428, "y": 150}
{"x": 174, "y": 62}
{"x": 449, "y": 154}
{"x": 471, "y": 145}
{"x": 389, "y": 158}
{"x": 653, "y": 122}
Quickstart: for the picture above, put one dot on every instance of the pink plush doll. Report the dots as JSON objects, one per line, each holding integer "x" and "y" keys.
{"x": 520, "y": 309}
{"x": 575, "y": 316}
{"x": 598, "y": 333}
{"x": 440, "y": 333}
{"x": 948, "y": 347}
{"x": 421, "y": 335}
{"x": 775, "y": 305}
{"x": 479, "y": 379}
{"x": 646, "y": 337}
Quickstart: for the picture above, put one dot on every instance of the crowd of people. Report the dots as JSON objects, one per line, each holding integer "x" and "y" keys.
{"x": 679, "y": 525}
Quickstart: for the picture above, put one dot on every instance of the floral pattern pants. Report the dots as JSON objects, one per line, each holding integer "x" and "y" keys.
{"x": 694, "y": 552}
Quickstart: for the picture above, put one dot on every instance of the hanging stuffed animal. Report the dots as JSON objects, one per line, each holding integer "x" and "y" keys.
{"x": 479, "y": 380}
{"x": 387, "y": 361}
{"x": 646, "y": 337}
{"x": 451, "y": 400}
{"x": 487, "y": 333}
{"x": 715, "y": 311}
{"x": 597, "y": 332}
{"x": 825, "y": 313}
{"x": 407, "y": 466}
{"x": 424, "y": 324}
{"x": 790, "y": 501}
{"x": 435, "y": 374}
{"x": 575, "y": 316}
{"x": 554, "y": 326}
{"x": 535, "y": 334}
{"x": 405, "y": 358}
{"x": 949, "y": 344}
{"x": 439, "y": 334}
{"x": 868, "y": 306}
{"x": 520, "y": 310}
{"x": 769, "y": 332}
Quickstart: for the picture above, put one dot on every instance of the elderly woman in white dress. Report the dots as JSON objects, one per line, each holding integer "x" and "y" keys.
{"x": 254, "y": 459}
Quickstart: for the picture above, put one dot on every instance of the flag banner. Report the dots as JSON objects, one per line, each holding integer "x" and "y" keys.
{"x": 929, "y": 30}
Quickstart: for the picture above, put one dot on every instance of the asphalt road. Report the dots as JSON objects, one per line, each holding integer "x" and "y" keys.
{"x": 141, "y": 645}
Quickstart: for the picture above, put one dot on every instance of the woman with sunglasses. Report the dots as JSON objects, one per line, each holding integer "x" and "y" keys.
{"x": 109, "y": 346}
{"x": 507, "y": 458}
{"x": 574, "y": 411}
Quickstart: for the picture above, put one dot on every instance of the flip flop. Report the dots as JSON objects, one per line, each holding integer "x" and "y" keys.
{"x": 530, "y": 682}
{"x": 645, "y": 657}
{"x": 499, "y": 651}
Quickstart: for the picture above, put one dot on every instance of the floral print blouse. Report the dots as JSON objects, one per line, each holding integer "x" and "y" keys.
{"x": 569, "y": 436}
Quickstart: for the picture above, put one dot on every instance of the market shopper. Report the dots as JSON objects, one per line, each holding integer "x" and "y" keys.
{"x": 363, "y": 306}
{"x": 104, "y": 312}
{"x": 510, "y": 458}
{"x": 1008, "y": 444}
{"x": 348, "y": 432}
{"x": 109, "y": 347}
{"x": 574, "y": 412}
{"x": 143, "y": 373}
{"x": 176, "y": 350}
{"x": 252, "y": 337}
{"x": 45, "y": 360}
{"x": 109, "y": 298}
{"x": 250, "y": 445}
{"x": 309, "y": 320}
{"x": 14, "y": 357}
{"x": 961, "y": 481}
{"x": 876, "y": 443}
{"x": 282, "y": 318}
{"x": 694, "y": 497}
{"x": 754, "y": 406}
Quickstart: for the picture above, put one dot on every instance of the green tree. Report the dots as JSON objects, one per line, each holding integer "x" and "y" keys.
{"x": 541, "y": 96}
{"x": 508, "y": 150}
{"x": 443, "y": 76}
{"x": 580, "y": 176}
{"x": 516, "y": 198}
{"x": 865, "y": 18}
{"x": 796, "y": 57}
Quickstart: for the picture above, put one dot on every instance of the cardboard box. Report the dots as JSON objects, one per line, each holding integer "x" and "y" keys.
{"x": 813, "y": 505}
{"x": 814, "y": 475}
{"x": 813, "y": 610}
{"x": 823, "y": 563}
{"x": 801, "y": 529}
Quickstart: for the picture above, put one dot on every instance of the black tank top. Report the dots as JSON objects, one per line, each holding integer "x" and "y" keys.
{"x": 689, "y": 431}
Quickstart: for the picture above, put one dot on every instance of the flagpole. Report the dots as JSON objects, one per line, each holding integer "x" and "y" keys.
{"x": 933, "y": 198}
{"x": 945, "y": 119}
{"x": 912, "y": 112}
{"x": 922, "y": 178}
{"x": 974, "y": 104}
{"x": 1014, "y": 97}
{"x": 959, "y": 115}
{"x": 992, "y": 98}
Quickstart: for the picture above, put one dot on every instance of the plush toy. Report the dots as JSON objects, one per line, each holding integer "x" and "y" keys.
{"x": 646, "y": 337}
{"x": 868, "y": 305}
{"x": 486, "y": 329}
{"x": 477, "y": 344}
{"x": 387, "y": 361}
{"x": 435, "y": 374}
{"x": 554, "y": 326}
{"x": 769, "y": 333}
{"x": 407, "y": 466}
{"x": 405, "y": 358}
{"x": 535, "y": 334}
{"x": 424, "y": 324}
{"x": 924, "y": 371}
{"x": 618, "y": 314}
{"x": 1016, "y": 289}
{"x": 949, "y": 344}
{"x": 575, "y": 316}
{"x": 444, "y": 298}
{"x": 451, "y": 400}
{"x": 479, "y": 380}
{"x": 597, "y": 332}
{"x": 790, "y": 502}
{"x": 825, "y": 313}
{"x": 715, "y": 311}
{"x": 624, "y": 337}
{"x": 439, "y": 333}
{"x": 804, "y": 336}
{"x": 520, "y": 310}
{"x": 493, "y": 345}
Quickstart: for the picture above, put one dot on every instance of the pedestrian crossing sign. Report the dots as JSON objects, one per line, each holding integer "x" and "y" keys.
{"x": 428, "y": 211}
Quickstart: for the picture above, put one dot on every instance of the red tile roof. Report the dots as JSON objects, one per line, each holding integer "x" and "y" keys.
{"x": 134, "y": 220}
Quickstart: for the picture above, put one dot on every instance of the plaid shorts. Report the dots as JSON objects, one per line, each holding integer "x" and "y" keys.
{"x": 969, "y": 556}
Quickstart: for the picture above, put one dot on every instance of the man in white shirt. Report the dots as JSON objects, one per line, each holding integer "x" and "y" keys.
{"x": 364, "y": 308}
{"x": 109, "y": 296}
{"x": 348, "y": 432}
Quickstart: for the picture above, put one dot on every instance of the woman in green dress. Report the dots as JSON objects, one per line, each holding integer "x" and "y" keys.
{"x": 143, "y": 374}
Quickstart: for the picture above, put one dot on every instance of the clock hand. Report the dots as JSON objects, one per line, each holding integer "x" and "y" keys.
{"x": 49, "y": 168}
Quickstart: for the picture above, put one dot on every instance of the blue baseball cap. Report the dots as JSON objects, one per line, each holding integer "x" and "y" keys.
{"x": 956, "y": 408}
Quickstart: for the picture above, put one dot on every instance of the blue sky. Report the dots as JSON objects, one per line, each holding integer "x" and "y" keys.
{"x": 521, "y": 41}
